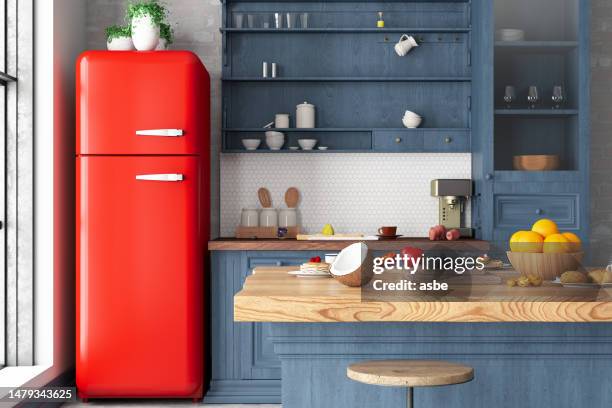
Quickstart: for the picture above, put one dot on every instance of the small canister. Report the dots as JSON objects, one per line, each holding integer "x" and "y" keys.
{"x": 268, "y": 217}
{"x": 287, "y": 217}
{"x": 249, "y": 217}
{"x": 305, "y": 116}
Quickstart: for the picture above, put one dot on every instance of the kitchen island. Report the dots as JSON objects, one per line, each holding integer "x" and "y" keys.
{"x": 245, "y": 368}
{"x": 319, "y": 327}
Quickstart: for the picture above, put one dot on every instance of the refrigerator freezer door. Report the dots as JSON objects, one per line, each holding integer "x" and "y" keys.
{"x": 139, "y": 278}
{"x": 142, "y": 103}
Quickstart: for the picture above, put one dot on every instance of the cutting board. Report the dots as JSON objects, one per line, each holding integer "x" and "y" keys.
{"x": 336, "y": 237}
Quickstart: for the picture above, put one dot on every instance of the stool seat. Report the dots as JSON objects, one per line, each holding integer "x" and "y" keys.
{"x": 409, "y": 373}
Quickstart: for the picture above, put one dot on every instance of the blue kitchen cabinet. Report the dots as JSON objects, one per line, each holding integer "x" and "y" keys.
{"x": 244, "y": 368}
{"x": 555, "y": 51}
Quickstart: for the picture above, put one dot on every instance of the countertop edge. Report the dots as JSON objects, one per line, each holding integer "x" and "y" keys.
{"x": 233, "y": 244}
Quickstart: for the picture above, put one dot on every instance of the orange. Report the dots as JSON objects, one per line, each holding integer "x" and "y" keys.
{"x": 526, "y": 241}
{"x": 575, "y": 243}
{"x": 556, "y": 243}
{"x": 545, "y": 227}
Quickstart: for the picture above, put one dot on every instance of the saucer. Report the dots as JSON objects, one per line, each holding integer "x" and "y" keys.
{"x": 388, "y": 236}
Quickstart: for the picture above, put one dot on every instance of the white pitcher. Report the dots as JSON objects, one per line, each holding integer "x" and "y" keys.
{"x": 405, "y": 44}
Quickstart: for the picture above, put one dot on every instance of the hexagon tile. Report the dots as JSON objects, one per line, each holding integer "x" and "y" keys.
{"x": 353, "y": 192}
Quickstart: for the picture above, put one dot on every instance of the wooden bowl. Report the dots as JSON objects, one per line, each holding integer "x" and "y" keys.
{"x": 541, "y": 162}
{"x": 547, "y": 266}
{"x": 353, "y": 266}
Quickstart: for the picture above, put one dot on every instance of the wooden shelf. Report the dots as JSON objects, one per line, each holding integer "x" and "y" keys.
{"x": 343, "y": 130}
{"x": 350, "y": 79}
{"x": 408, "y": 30}
{"x": 536, "y": 112}
{"x": 536, "y": 46}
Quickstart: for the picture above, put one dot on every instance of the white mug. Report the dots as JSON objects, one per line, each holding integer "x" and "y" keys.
{"x": 405, "y": 44}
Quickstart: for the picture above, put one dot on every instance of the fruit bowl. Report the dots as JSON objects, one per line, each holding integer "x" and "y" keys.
{"x": 547, "y": 266}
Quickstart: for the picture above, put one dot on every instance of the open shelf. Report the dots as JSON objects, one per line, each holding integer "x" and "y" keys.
{"x": 343, "y": 130}
{"x": 350, "y": 79}
{"x": 407, "y": 30}
{"x": 536, "y": 112}
{"x": 536, "y": 46}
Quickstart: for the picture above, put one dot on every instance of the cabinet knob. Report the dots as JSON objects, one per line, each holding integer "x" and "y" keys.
{"x": 488, "y": 176}
{"x": 448, "y": 140}
{"x": 398, "y": 140}
{"x": 539, "y": 211}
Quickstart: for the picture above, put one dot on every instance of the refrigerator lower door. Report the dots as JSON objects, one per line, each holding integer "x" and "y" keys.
{"x": 139, "y": 277}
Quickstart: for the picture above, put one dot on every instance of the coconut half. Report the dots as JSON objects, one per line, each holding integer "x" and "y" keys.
{"x": 353, "y": 265}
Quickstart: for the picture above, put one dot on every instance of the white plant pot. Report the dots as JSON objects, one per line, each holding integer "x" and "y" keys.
{"x": 162, "y": 45}
{"x": 120, "y": 44}
{"x": 145, "y": 33}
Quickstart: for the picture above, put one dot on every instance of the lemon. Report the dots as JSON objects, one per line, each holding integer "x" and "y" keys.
{"x": 526, "y": 241}
{"x": 328, "y": 230}
{"x": 556, "y": 243}
{"x": 575, "y": 244}
{"x": 545, "y": 227}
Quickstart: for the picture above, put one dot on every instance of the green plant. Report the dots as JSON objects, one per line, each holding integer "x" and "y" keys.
{"x": 117, "y": 31}
{"x": 152, "y": 8}
{"x": 166, "y": 32}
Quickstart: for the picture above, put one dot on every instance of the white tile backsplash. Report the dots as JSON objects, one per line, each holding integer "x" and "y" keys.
{"x": 353, "y": 192}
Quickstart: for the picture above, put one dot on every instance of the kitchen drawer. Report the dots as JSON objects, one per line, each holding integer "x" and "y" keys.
{"x": 398, "y": 140}
{"x": 447, "y": 141}
{"x": 520, "y": 211}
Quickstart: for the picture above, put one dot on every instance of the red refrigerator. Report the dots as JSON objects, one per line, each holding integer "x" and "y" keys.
{"x": 143, "y": 130}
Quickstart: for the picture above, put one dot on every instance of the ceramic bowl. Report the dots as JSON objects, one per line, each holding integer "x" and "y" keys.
{"x": 275, "y": 140}
{"x": 353, "y": 265}
{"x": 251, "y": 144}
{"x": 510, "y": 34}
{"x": 307, "y": 144}
{"x": 412, "y": 122}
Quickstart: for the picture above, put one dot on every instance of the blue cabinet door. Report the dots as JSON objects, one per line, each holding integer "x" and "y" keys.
{"x": 244, "y": 368}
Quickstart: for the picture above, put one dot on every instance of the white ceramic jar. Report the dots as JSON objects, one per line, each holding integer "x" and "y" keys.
{"x": 249, "y": 217}
{"x": 268, "y": 217}
{"x": 145, "y": 33}
{"x": 287, "y": 217}
{"x": 305, "y": 116}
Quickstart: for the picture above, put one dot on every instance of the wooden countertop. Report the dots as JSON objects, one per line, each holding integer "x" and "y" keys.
{"x": 270, "y": 295}
{"x": 233, "y": 244}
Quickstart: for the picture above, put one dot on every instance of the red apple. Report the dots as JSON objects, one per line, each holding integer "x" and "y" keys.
{"x": 412, "y": 253}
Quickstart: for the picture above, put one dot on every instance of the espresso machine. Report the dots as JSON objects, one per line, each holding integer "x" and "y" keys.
{"x": 452, "y": 197}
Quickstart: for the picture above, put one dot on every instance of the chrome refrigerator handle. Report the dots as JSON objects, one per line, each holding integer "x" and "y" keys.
{"x": 160, "y": 177}
{"x": 160, "y": 132}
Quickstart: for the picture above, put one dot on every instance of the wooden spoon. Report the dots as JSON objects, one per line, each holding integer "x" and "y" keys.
{"x": 264, "y": 197}
{"x": 292, "y": 196}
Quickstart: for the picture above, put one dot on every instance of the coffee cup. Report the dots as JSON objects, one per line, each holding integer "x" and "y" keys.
{"x": 405, "y": 44}
{"x": 387, "y": 231}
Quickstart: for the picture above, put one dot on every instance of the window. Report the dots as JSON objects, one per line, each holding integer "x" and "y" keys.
{"x": 16, "y": 182}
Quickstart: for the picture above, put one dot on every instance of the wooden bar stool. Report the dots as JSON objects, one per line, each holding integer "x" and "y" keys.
{"x": 409, "y": 373}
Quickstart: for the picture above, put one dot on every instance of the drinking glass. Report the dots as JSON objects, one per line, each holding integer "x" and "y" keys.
{"x": 558, "y": 96}
{"x": 304, "y": 20}
{"x": 265, "y": 21}
{"x": 251, "y": 20}
{"x": 238, "y": 20}
{"x": 291, "y": 20}
{"x": 533, "y": 97}
{"x": 278, "y": 20}
{"x": 509, "y": 96}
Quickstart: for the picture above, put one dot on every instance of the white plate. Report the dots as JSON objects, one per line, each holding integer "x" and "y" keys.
{"x": 582, "y": 285}
{"x": 301, "y": 274}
